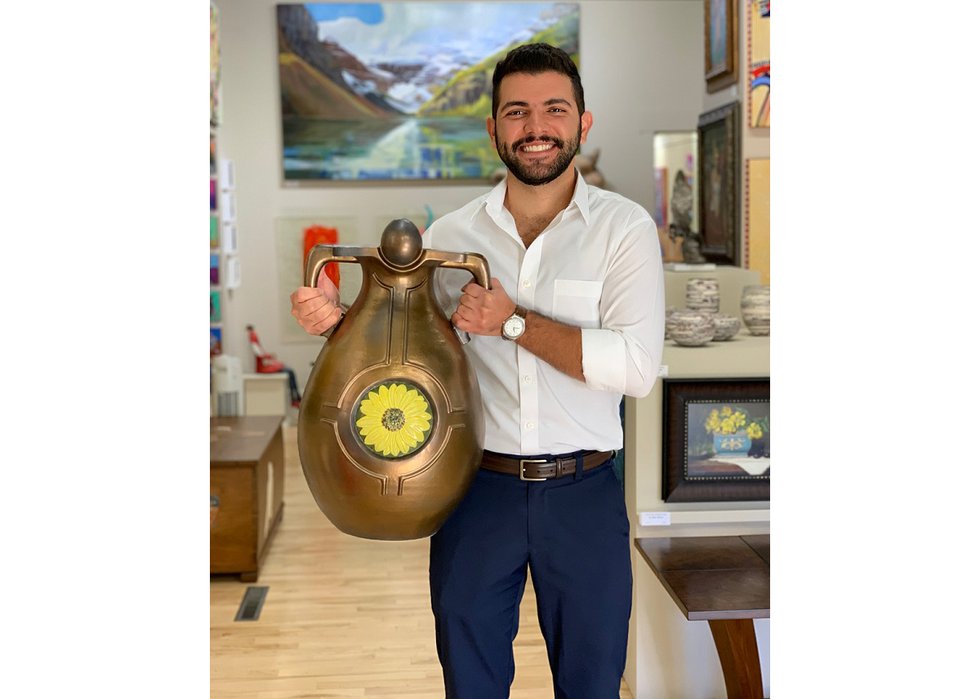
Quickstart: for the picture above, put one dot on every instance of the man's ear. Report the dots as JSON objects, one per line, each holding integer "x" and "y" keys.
{"x": 490, "y": 131}
{"x": 586, "y": 125}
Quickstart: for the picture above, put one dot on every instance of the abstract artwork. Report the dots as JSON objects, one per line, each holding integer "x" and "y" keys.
{"x": 215, "y": 306}
{"x": 757, "y": 216}
{"x": 400, "y": 90}
{"x": 758, "y": 70}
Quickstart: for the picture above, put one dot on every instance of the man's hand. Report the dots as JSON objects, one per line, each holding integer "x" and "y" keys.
{"x": 317, "y": 309}
{"x": 481, "y": 311}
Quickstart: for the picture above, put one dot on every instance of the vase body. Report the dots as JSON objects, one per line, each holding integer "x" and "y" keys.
{"x": 726, "y": 327}
{"x": 732, "y": 445}
{"x": 690, "y": 328}
{"x": 391, "y": 423}
{"x": 703, "y": 294}
{"x": 755, "y": 309}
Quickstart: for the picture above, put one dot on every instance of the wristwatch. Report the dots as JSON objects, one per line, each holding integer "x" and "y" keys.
{"x": 513, "y": 327}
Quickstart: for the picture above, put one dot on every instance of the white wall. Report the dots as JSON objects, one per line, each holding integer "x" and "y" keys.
{"x": 642, "y": 68}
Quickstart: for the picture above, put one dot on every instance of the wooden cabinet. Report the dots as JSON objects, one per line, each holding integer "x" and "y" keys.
{"x": 247, "y": 469}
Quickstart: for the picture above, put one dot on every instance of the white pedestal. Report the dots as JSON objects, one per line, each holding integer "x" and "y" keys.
{"x": 266, "y": 394}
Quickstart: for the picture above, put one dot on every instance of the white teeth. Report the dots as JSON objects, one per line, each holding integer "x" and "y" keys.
{"x": 537, "y": 149}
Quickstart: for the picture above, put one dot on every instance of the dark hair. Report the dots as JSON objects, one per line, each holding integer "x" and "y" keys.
{"x": 537, "y": 58}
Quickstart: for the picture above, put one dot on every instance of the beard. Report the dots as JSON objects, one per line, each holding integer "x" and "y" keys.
{"x": 535, "y": 174}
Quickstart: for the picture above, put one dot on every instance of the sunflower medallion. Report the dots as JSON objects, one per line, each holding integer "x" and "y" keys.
{"x": 393, "y": 419}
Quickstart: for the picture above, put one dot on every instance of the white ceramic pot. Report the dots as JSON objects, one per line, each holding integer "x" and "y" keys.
{"x": 702, "y": 294}
{"x": 755, "y": 309}
{"x": 691, "y": 328}
{"x": 726, "y": 326}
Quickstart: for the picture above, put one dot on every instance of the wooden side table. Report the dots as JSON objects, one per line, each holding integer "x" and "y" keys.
{"x": 725, "y": 581}
{"x": 247, "y": 470}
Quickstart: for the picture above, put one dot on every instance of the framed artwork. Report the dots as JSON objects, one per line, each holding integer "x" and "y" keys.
{"x": 215, "y": 306}
{"x": 757, "y": 37}
{"x": 400, "y": 91}
{"x": 215, "y": 68}
{"x": 675, "y": 191}
{"x": 757, "y": 217}
{"x": 720, "y": 43}
{"x": 716, "y": 440}
{"x": 718, "y": 184}
{"x": 215, "y": 341}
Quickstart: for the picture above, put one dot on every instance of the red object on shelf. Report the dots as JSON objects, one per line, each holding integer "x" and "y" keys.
{"x": 265, "y": 363}
{"x": 320, "y": 235}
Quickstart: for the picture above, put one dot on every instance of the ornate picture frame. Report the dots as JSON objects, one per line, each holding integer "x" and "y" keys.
{"x": 718, "y": 184}
{"x": 720, "y": 44}
{"x": 716, "y": 440}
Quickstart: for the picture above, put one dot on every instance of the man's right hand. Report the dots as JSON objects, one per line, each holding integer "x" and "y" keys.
{"x": 317, "y": 309}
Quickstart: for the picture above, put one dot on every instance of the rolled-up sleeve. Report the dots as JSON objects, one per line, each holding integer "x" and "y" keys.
{"x": 623, "y": 355}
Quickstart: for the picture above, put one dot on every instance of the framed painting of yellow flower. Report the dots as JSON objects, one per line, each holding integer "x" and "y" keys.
{"x": 393, "y": 419}
{"x": 716, "y": 440}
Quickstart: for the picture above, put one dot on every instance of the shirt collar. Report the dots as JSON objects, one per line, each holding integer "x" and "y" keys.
{"x": 494, "y": 203}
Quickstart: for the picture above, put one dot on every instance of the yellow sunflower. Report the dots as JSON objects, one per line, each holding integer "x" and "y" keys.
{"x": 394, "y": 420}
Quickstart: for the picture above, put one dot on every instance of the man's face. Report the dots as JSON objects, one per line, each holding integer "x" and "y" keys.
{"x": 537, "y": 129}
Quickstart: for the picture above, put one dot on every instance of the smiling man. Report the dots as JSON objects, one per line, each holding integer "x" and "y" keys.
{"x": 574, "y": 320}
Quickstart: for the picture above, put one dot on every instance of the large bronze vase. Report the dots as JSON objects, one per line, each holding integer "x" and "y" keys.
{"x": 391, "y": 423}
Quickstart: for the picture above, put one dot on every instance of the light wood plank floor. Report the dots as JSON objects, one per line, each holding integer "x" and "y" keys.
{"x": 343, "y": 617}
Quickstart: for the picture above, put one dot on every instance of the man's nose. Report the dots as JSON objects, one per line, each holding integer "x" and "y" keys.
{"x": 534, "y": 124}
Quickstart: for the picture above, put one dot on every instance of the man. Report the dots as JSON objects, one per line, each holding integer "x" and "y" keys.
{"x": 574, "y": 319}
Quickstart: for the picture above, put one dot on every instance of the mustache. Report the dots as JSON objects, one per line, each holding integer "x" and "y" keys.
{"x": 536, "y": 139}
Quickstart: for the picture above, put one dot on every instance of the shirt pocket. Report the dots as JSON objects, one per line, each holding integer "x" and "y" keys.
{"x": 577, "y": 302}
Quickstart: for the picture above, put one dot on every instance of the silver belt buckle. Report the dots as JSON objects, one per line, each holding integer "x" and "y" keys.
{"x": 531, "y": 461}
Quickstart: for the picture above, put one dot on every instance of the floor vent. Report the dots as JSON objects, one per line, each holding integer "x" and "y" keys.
{"x": 251, "y": 605}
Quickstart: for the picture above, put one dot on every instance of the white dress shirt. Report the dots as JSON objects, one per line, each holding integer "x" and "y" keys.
{"x": 596, "y": 266}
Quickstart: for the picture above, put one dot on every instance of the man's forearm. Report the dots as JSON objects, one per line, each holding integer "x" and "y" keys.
{"x": 556, "y": 343}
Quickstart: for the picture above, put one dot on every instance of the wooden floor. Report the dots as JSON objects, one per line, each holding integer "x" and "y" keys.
{"x": 343, "y": 617}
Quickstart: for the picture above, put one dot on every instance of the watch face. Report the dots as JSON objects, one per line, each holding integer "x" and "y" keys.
{"x": 513, "y": 327}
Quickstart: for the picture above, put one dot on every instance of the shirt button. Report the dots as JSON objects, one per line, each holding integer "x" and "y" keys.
{"x": 529, "y": 425}
{"x": 526, "y": 284}
{"x": 526, "y": 378}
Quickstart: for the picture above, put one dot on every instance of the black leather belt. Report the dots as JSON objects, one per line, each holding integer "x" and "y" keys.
{"x": 544, "y": 468}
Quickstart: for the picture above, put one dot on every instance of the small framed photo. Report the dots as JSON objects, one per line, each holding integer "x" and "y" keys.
{"x": 716, "y": 440}
{"x": 718, "y": 184}
{"x": 720, "y": 44}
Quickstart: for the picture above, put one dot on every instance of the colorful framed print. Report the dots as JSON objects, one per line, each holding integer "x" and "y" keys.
{"x": 400, "y": 91}
{"x": 718, "y": 184}
{"x": 757, "y": 75}
{"x": 720, "y": 43}
{"x": 756, "y": 233}
{"x": 716, "y": 440}
{"x": 215, "y": 306}
{"x": 215, "y": 342}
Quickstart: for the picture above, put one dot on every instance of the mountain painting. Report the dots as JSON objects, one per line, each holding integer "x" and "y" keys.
{"x": 400, "y": 90}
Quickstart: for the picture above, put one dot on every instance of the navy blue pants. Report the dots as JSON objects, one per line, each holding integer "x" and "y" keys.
{"x": 572, "y": 533}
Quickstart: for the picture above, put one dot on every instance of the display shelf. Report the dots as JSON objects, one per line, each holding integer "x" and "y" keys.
{"x": 743, "y": 356}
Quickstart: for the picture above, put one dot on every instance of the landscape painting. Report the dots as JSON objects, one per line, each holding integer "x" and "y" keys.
{"x": 400, "y": 90}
